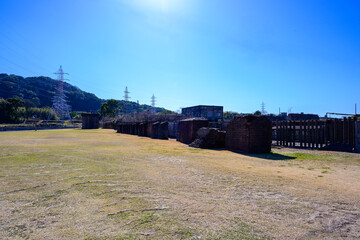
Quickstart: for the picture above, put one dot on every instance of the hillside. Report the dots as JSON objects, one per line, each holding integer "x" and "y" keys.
{"x": 39, "y": 91}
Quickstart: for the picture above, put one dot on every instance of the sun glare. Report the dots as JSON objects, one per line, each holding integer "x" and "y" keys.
{"x": 165, "y": 6}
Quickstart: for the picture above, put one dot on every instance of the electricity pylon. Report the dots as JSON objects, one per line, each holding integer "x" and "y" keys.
{"x": 60, "y": 106}
{"x": 153, "y": 101}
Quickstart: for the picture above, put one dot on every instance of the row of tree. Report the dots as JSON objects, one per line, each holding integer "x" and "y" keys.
{"x": 112, "y": 108}
{"x": 15, "y": 110}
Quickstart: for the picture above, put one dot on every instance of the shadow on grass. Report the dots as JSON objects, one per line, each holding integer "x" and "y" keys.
{"x": 272, "y": 156}
{"x": 268, "y": 156}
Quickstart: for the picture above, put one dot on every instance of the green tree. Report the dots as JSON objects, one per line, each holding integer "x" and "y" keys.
{"x": 229, "y": 115}
{"x": 10, "y": 111}
{"x": 109, "y": 108}
{"x": 257, "y": 112}
{"x": 166, "y": 112}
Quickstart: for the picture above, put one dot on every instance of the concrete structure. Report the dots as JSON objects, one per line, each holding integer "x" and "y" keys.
{"x": 249, "y": 134}
{"x": 212, "y": 113}
{"x": 188, "y": 128}
{"x": 90, "y": 121}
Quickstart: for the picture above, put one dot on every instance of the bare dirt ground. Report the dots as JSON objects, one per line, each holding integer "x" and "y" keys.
{"x": 96, "y": 184}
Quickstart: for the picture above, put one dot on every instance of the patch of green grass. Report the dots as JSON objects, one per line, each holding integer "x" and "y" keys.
{"x": 324, "y": 172}
{"x": 240, "y": 230}
{"x": 310, "y": 168}
{"x": 320, "y": 176}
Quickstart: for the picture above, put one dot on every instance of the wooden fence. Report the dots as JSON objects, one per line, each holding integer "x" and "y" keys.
{"x": 316, "y": 133}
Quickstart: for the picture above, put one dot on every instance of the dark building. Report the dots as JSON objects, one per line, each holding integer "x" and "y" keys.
{"x": 302, "y": 116}
{"x": 212, "y": 113}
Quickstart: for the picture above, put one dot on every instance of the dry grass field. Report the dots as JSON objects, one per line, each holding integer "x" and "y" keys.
{"x": 96, "y": 184}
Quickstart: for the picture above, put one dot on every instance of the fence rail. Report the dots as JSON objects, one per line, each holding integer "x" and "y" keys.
{"x": 315, "y": 133}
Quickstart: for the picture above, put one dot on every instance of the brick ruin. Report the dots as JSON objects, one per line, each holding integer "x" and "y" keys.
{"x": 188, "y": 127}
{"x": 90, "y": 121}
{"x": 157, "y": 130}
{"x": 249, "y": 134}
{"x": 209, "y": 138}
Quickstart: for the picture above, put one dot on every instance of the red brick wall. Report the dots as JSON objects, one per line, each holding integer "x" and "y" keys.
{"x": 250, "y": 134}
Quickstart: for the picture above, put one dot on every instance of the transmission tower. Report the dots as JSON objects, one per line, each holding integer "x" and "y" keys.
{"x": 263, "y": 111}
{"x": 153, "y": 100}
{"x": 126, "y": 95}
{"x": 60, "y": 106}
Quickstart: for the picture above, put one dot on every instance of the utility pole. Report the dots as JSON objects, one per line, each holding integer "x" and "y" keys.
{"x": 153, "y": 100}
{"x": 60, "y": 106}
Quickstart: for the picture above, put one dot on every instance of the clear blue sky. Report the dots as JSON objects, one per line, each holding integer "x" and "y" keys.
{"x": 299, "y": 54}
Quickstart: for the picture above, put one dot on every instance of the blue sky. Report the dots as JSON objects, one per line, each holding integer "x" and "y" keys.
{"x": 300, "y": 55}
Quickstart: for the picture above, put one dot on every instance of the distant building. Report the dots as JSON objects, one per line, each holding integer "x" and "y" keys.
{"x": 302, "y": 116}
{"x": 212, "y": 113}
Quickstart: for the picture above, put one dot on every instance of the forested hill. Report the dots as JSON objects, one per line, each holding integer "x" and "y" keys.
{"x": 39, "y": 92}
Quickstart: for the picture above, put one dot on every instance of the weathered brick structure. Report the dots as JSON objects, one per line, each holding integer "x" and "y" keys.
{"x": 90, "y": 121}
{"x": 209, "y": 138}
{"x": 249, "y": 134}
{"x": 163, "y": 130}
{"x": 188, "y": 128}
{"x": 108, "y": 125}
{"x": 149, "y": 129}
{"x": 142, "y": 129}
{"x": 155, "y": 130}
{"x": 119, "y": 128}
